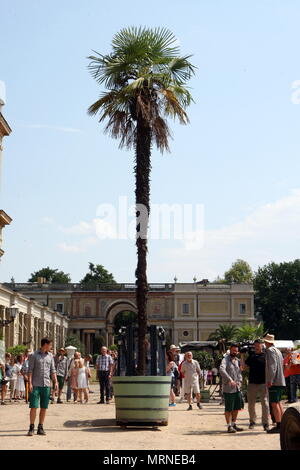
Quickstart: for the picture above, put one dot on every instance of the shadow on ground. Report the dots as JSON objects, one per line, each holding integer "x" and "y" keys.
{"x": 214, "y": 433}
{"x": 105, "y": 425}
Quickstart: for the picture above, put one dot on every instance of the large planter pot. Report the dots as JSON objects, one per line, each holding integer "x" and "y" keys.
{"x": 142, "y": 401}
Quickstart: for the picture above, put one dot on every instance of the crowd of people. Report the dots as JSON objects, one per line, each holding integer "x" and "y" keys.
{"x": 73, "y": 373}
{"x": 39, "y": 377}
{"x": 269, "y": 375}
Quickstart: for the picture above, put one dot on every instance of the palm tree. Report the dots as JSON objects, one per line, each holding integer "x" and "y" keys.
{"x": 225, "y": 334}
{"x": 249, "y": 332}
{"x": 145, "y": 79}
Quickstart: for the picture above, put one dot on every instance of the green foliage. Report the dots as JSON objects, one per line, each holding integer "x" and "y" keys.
{"x": 99, "y": 341}
{"x": 225, "y": 334}
{"x": 205, "y": 359}
{"x": 249, "y": 332}
{"x": 74, "y": 340}
{"x": 239, "y": 272}
{"x": 51, "y": 275}
{"x": 97, "y": 275}
{"x": 277, "y": 298}
{"x": 15, "y": 350}
{"x": 94, "y": 359}
{"x": 124, "y": 318}
{"x": 144, "y": 75}
{"x": 113, "y": 347}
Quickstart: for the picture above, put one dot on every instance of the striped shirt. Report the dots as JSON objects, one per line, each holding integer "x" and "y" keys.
{"x": 104, "y": 362}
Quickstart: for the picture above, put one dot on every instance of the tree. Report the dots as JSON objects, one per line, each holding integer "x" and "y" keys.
{"x": 74, "y": 340}
{"x": 240, "y": 272}
{"x": 124, "y": 318}
{"x": 97, "y": 275}
{"x": 16, "y": 350}
{"x": 99, "y": 341}
{"x": 145, "y": 78}
{"x": 224, "y": 334}
{"x": 52, "y": 276}
{"x": 249, "y": 332}
{"x": 277, "y": 298}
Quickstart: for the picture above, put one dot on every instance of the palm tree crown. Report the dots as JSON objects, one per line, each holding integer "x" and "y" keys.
{"x": 144, "y": 76}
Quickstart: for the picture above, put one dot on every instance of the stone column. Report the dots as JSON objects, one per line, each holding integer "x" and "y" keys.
{"x": 110, "y": 335}
{"x": 2, "y": 317}
{"x": 53, "y": 332}
{"x": 6, "y": 330}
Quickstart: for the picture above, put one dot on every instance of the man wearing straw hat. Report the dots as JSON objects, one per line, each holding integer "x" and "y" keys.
{"x": 274, "y": 379}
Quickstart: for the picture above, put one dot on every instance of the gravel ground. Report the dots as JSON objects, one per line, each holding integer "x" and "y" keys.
{"x": 92, "y": 426}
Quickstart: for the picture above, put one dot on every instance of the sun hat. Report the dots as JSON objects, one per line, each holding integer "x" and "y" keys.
{"x": 269, "y": 339}
{"x": 174, "y": 347}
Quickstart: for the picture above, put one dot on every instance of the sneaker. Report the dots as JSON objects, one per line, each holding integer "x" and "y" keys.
{"x": 275, "y": 430}
{"x": 189, "y": 408}
{"x": 266, "y": 427}
{"x": 59, "y": 401}
{"x": 100, "y": 402}
{"x": 199, "y": 406}
{"x": 231, "y": 430}
{"x": 172, "y": 404}
{"x": 40, "y": 430}
{"x": 237, "y": 428}
{"x": 3, "y": 403}
{"x": 31, "y": 430}
{"x": 251, "y": 425}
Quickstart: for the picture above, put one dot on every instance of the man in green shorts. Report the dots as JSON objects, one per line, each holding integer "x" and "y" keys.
{"x": 275, "y": 380}
{"x": 61, "y": 366}
{"x": 230, "y": 372}
{"x": 41, "y": 368}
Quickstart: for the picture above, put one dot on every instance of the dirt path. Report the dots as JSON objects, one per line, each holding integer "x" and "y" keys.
{"x": 92, "y": 426}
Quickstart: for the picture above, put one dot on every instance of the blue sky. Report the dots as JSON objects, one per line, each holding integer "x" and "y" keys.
{"x": 239, "y": 156}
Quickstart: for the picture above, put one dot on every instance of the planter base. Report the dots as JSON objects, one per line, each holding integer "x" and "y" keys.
{"x": 142, "y": 401}
{"x": 141, "y": 423}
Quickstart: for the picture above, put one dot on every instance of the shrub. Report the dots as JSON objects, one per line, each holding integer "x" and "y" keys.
{"x": 15, "y": 350}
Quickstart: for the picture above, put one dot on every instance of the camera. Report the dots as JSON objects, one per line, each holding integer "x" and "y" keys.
{"x": 246, "y": 347}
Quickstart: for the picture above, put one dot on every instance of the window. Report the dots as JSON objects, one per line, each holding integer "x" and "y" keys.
{"x": 59, "y": 308}
{"x": 242, "y": 309}
{"x": 87, "y": 310}
{"x": 185, "y": 309}
{"x": 185, "y": 333}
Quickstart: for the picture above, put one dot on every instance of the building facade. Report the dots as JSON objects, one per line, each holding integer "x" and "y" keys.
{"x": 188, "y": 312}
{"x": 5, "y": 130}
{"x": 33, "y": 321}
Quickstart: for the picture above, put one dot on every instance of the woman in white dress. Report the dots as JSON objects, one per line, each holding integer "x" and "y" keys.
{"x": 82, "y": 380}
{"x": 20, "y": 385}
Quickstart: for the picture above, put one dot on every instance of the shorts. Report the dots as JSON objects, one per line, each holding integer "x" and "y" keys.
{"x": 275, "y": 393}
{"x": 191, "y": 387}
{"x": 61, "y": 382}
{"x": 233, "y": 401}
{"x": 39, "y": 394}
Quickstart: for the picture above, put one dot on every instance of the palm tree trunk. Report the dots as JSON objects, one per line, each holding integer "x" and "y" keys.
{"x": 142, "y": 197}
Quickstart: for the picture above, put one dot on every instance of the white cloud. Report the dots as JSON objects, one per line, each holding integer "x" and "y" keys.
{"x": 270, "y": 233}
{"x": 79, "y": 247}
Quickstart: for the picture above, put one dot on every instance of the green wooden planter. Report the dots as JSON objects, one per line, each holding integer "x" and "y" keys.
{"x": 142, "y": 401}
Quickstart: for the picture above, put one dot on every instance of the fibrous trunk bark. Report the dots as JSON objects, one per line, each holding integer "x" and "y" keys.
{"x": 142, "y": 198}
